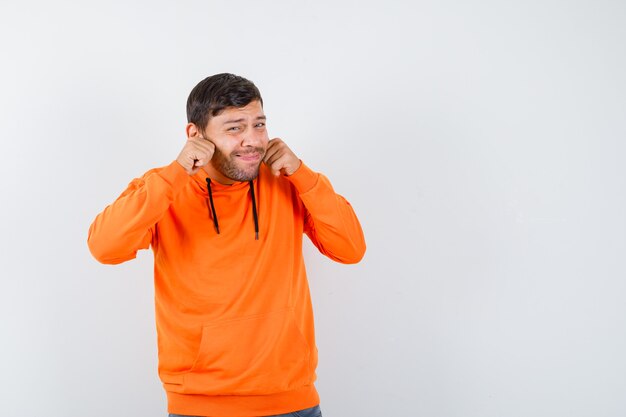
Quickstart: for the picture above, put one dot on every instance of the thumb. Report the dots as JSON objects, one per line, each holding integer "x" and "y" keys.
{"x": 275, "y": 169}
{"x": 199, "y": 162}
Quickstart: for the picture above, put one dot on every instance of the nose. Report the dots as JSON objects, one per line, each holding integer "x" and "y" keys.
{"x": 252, "y": 138}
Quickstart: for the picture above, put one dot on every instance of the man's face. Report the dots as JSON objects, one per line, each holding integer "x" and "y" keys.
{"x": 240, "y": 139}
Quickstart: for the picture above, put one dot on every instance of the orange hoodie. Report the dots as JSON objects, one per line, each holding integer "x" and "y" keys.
{"x": 234, "y": 315}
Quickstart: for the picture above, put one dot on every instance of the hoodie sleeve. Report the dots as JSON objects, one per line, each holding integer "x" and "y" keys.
{"x": 330, "y": 221}
{"x": 127, "y": 225}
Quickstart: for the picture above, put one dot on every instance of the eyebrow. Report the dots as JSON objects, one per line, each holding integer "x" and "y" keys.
{"x": 243, "y": 120}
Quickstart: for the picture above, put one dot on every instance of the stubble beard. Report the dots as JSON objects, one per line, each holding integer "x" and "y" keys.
{"x": 229, "y": 168}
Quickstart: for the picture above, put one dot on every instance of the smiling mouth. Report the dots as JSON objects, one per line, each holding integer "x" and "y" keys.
{"x": 249, "y": 157}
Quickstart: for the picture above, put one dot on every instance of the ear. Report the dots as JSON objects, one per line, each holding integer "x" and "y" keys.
{"x": 192, "y": 130}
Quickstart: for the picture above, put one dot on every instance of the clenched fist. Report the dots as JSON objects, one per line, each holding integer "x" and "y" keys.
{"x": 196, "y": 153}
{"x": 280, "y": 158}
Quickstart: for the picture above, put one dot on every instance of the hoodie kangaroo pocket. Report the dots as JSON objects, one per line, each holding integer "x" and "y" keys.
{"x": 252, "y": 355}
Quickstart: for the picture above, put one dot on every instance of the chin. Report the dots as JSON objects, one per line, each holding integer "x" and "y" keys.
{"x": 243, "y": 175}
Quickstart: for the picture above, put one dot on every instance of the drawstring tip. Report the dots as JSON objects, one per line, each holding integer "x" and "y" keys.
{"x": 256, "y": 235}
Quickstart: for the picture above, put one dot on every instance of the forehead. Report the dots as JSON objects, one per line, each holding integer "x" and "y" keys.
{"x": 252, "y": 110}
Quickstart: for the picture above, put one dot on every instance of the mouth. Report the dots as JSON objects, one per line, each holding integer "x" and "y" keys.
{"x": 249, "y": 157}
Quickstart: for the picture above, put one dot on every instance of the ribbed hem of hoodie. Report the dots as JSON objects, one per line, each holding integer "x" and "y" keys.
{"x": 304, "y": 179}
{"x": 242, "y": 405}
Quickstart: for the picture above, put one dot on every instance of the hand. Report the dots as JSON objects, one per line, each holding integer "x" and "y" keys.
{"x": 196, "y": 153}
{"x": 280, "y": 159}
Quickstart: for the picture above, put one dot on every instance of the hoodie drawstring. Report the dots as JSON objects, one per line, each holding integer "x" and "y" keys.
{"x": 212, "y": 206}
{"x": 255, "y": 215}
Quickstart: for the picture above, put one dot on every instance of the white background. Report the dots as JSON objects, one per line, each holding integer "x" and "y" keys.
{"x": 481, "y": 143}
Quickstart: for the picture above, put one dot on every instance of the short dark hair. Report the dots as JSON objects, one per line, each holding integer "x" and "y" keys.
{"x": 216, "y": 93}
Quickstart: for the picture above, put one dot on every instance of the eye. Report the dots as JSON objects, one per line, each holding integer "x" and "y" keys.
{"x": 233, "y": 129}
{"x": 260, "y": 124}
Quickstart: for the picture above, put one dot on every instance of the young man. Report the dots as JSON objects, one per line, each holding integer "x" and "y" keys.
{"x": 225, "y": 221}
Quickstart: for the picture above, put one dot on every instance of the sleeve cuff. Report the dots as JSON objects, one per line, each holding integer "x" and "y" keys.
{"x": 304, "y": 179}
